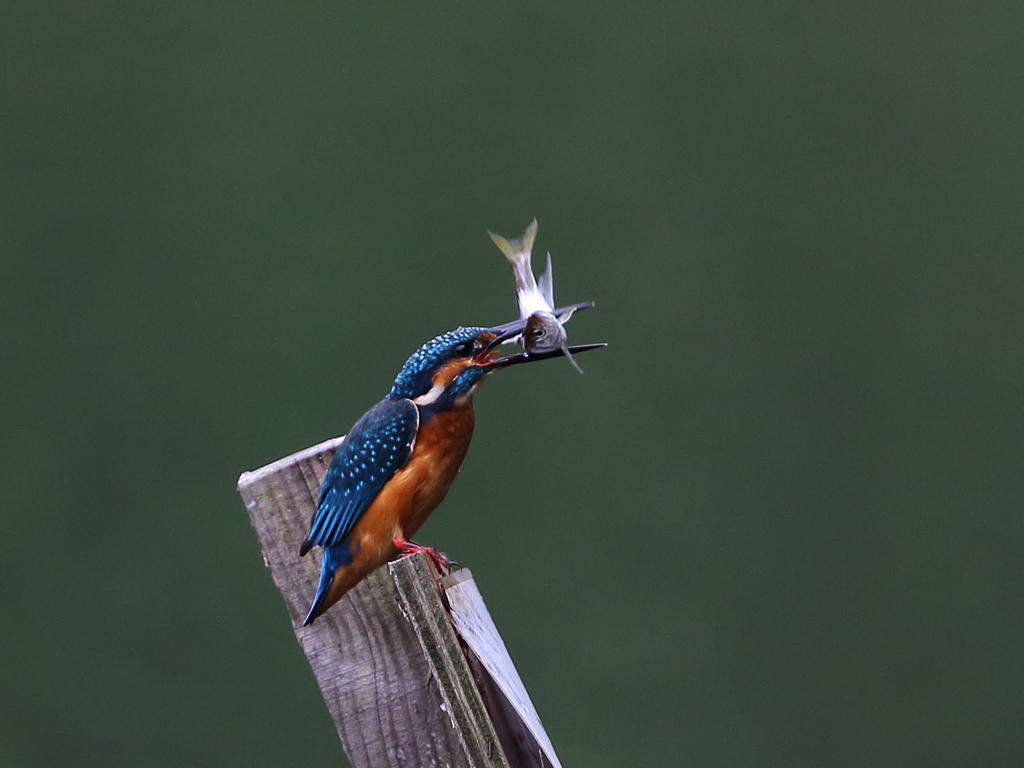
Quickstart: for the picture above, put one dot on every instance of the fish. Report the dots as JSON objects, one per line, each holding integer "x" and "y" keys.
{"x": 545, "y": 325}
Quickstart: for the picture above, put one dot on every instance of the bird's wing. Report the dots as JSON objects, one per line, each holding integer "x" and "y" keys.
{"x": 377, "y": 446}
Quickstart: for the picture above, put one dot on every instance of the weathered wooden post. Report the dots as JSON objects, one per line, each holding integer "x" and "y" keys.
{"x": 410, "y": 664}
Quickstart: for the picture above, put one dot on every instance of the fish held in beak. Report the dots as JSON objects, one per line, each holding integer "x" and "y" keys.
{"x": 544, "y": 328}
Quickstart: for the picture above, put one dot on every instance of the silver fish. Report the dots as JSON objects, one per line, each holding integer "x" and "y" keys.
{"x": 545, "y": 329}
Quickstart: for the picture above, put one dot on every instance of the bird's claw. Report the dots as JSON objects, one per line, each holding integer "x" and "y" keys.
{"x": 444, "y": 565}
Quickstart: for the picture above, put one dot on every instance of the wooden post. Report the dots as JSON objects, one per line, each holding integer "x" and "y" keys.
{"x": 410, "y": 664}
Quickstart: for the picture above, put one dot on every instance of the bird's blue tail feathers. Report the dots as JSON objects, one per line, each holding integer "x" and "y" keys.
{"x": 333, "y": 558}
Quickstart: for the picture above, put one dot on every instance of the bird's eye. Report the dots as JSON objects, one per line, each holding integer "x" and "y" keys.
{"x": 464, "y": 348}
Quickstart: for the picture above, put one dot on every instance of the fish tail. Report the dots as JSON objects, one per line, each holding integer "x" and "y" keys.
{"x": 518, "y": 251}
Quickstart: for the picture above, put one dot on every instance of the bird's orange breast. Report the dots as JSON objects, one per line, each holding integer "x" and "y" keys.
{"x": 414, "y": 492}
{"x": 406, "y": 501}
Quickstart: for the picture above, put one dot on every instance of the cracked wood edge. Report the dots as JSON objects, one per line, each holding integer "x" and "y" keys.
{"x": 386, "y": 657}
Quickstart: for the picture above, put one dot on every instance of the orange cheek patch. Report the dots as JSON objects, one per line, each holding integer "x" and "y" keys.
{"x": 449, "y": 372}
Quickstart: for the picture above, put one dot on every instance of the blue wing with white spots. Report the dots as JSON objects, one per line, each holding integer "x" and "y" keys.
{"x": 377, "y": 446}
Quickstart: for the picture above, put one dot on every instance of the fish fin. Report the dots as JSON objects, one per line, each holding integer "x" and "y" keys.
{"x": 567, "y": 353}
{"x": 547, "y": 285}
{"x": 564, "y": 313}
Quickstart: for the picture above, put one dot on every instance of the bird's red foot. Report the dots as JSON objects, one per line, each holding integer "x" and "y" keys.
{"x": 411, "y": 547}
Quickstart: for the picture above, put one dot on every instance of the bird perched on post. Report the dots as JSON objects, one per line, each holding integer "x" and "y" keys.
{"x": 397, "y": 462}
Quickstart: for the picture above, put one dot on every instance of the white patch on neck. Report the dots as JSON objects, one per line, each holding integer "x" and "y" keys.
{"x": 435, "y": 392}
{"x": 468, "y": 397}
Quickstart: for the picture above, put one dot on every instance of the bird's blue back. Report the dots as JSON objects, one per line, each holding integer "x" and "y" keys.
{"x": 377, "y": 446}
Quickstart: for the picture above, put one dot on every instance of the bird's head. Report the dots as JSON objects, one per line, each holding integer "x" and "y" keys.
{"x": 448, "y": 369}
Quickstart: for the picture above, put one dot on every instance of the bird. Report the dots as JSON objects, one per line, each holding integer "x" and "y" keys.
{"x": 544, "y": 329}
{"x": 399, "y": 459}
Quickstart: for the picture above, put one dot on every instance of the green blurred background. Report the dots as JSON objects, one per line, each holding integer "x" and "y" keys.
{"x": 776, "y": 523}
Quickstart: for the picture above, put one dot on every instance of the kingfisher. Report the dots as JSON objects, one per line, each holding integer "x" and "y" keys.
{"x": 399, "y": 459}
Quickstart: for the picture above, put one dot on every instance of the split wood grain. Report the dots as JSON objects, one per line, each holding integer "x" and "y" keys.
{"x": 387, "y": 657}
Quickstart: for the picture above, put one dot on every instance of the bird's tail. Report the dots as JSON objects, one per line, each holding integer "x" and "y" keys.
{"x": 334, "y": 558}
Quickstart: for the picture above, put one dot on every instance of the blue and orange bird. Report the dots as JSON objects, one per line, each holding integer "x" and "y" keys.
{"x": 397, "y": 462}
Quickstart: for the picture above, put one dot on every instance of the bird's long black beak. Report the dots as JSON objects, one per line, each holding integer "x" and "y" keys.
{"x": 527, "y": 357}
{"x": 516, "y": 327}
{"x": 511, "y": 330}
